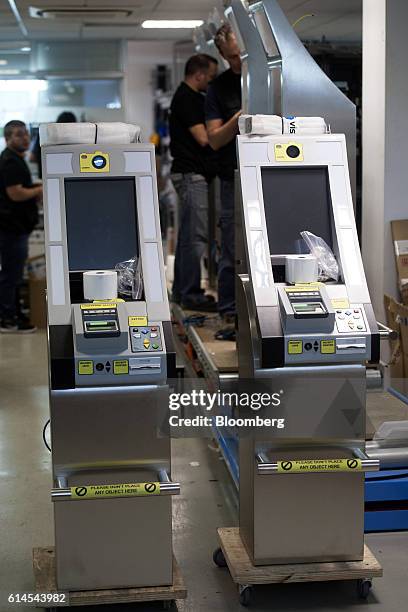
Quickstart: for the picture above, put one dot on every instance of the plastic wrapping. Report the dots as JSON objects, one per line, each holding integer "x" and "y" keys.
{"x": 130, "y": 278}
{"x": 328, "y": 266}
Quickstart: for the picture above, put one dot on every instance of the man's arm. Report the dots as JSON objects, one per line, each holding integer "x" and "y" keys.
{"x": 18, "y": 193}
{"x": 220, "y": 133}
{"x": 199, "y": 133}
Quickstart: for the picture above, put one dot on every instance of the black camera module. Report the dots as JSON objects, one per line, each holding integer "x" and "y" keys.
{"x": 98, "y": 162}
{"x": 293, "y": 151}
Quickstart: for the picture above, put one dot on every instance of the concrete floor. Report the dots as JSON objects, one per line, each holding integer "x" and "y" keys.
{"x": 207, "y": 502}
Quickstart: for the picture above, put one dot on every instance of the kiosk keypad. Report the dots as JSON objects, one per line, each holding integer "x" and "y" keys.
{"x": 350, "y": 321}
{"x": 145, "y": 339}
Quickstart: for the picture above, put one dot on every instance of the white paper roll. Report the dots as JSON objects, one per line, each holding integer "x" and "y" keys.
{"x": 100, "y": 285}
{"x": 301, "y": 269}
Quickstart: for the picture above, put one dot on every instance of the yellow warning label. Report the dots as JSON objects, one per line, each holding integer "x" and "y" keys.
{"x": 95, "y": 306}
{"x": 115, "y": 490}
{"x": 319, "y": 465}
{"x": 304, "y": 287}
{"x": 327, "y": 347}
{"x": 340, "y": 303}
{"x": 85, "y": 367}
{"x": 295, "y": 347}
{"x": 121, "y": 366}
{"x": 135, "y": 321}
{"x": 114, "y": 301}
{"x": 289, "y": 152}
{"x": 94, "y": 162}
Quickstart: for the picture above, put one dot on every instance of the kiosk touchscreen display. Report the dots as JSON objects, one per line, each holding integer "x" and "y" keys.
{"x": 101, "y": 218}
{"x": 296, "y": 199}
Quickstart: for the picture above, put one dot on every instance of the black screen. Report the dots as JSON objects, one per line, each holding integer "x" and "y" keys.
{"x": 296, "y": 199}
{"x": 101, "y": 222}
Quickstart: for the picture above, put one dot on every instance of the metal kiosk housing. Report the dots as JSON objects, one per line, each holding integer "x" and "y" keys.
{"x": 109, "y": 387}
{"x": 290, "y": 183}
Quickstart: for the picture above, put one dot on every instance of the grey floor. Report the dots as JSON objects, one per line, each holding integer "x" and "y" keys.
{"x": 207, "y": 502}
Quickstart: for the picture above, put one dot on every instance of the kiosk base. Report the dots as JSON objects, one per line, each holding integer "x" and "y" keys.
{"x": 234, "y": 555}
{"x": 44, "y": 578}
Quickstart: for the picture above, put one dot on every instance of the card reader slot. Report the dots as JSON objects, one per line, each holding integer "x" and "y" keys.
{"x": 348, "y": 347}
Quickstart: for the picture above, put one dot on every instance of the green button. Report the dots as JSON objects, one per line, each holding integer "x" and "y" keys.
{"x": 155, "y": 346}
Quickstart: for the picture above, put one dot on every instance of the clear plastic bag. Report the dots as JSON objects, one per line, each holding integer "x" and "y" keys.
{"x": 328, "y": 266}
{"x": 130, "y": 278}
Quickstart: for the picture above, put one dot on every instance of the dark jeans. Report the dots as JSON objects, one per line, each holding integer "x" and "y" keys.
{"x": 226, "y": 266}
{"x": 13, "y": 255}
{"x": 192, "y": 191}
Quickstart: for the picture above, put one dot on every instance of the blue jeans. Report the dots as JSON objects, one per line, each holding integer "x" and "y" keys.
{"x": 192, "y": 239}
{"x": 13, "y": 255}
{"x": 226, "y": 266}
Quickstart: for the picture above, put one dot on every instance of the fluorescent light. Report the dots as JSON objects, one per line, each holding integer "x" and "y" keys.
{"x": 172, "y": 23}
{"x": 3, "y": 62}
{"x": 23, "y": 85}
{"x": 25, "y": 49}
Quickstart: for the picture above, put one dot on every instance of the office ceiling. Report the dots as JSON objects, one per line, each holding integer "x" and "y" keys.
{"x": 337, "y": 20}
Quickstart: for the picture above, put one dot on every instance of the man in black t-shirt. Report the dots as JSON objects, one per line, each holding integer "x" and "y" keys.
{"x": 192, "y": 169}
{"x": 222, "y": 109}
{"x": 18, "y": 217}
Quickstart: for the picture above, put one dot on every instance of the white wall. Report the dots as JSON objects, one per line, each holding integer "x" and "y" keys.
{"x": 140, "y": 59}
{"x": 385, "y": 138}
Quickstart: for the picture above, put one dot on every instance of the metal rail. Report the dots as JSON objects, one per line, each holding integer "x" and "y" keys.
{"x": 264, "y": 466}
{"x": 166, "y": 487}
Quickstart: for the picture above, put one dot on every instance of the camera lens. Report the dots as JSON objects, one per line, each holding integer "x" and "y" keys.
{"x": 293, "y": 151}
{"x": 98, "y": 162}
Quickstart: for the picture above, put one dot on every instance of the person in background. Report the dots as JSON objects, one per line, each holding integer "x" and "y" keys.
{"x": 222, "y": 109}
{"x": 18, "y": 217}
{"x": 192, "y": 169}
{"x": 35, "y": 154}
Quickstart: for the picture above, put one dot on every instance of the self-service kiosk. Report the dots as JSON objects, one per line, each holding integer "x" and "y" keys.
{"x": 110, "y": 362}
{"x": 302, "y": 490}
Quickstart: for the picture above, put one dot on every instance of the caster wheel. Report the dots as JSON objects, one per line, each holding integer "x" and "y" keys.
{"x": 245, "y": 596}
{"x": 364, "y": 587}
{"x": 218, "y": 558}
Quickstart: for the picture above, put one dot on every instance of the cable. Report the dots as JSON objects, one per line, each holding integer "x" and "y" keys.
{"x": 301, "y": 19}
{"x": 43, "y": 435}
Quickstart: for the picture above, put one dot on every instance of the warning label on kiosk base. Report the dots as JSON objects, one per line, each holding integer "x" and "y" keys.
{"x": 319, "y": 465}
{"x": 115, "y": 490}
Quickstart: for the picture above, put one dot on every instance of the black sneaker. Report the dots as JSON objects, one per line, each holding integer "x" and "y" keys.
{"x": 17, "y": 327}
{"x": 8, "y": 326}
{"x": 203, "y": 305}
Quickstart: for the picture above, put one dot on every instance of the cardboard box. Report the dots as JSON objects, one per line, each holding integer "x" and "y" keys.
{"x": 399, "y": 230}
{"x": 397, "y": 319}
{"x": 38, "y": 306}
{"x": 37, "y": 291}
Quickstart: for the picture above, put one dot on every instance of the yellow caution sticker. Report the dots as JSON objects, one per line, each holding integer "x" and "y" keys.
{"x": 319, "y": 465}
{"x": 304, "y": 287}
{"x": 295, "y": 347}
{"x": 327, "y": 347}
{"x": 113, "y": 301}
{"x": 115, "y": 490}
{"x": 85, "y": 367}
{"x": 137, "y": 321}
{"x": 121, "y": 366}
{"x": 338, "y": 303}
{"x": 289, "y": 152}
{"x": 95, "y": 306}
{"x": 94, "y": 162}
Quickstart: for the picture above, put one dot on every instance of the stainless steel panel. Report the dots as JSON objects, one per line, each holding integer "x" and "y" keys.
{"x": 102, "y": 427}
{"x": 113, "y": 543}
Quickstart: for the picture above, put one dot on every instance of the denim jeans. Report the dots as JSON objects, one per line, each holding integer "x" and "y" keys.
{"x": 13, "y": 255}
{"x": 192, "y": 239}
{"x": 226, "y": 266}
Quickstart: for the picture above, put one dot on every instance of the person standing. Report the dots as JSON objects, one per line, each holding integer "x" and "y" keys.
{"x": 223, "y": 108}
{"x": 18, "y": 217}
{"x": 192, "y": 169}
